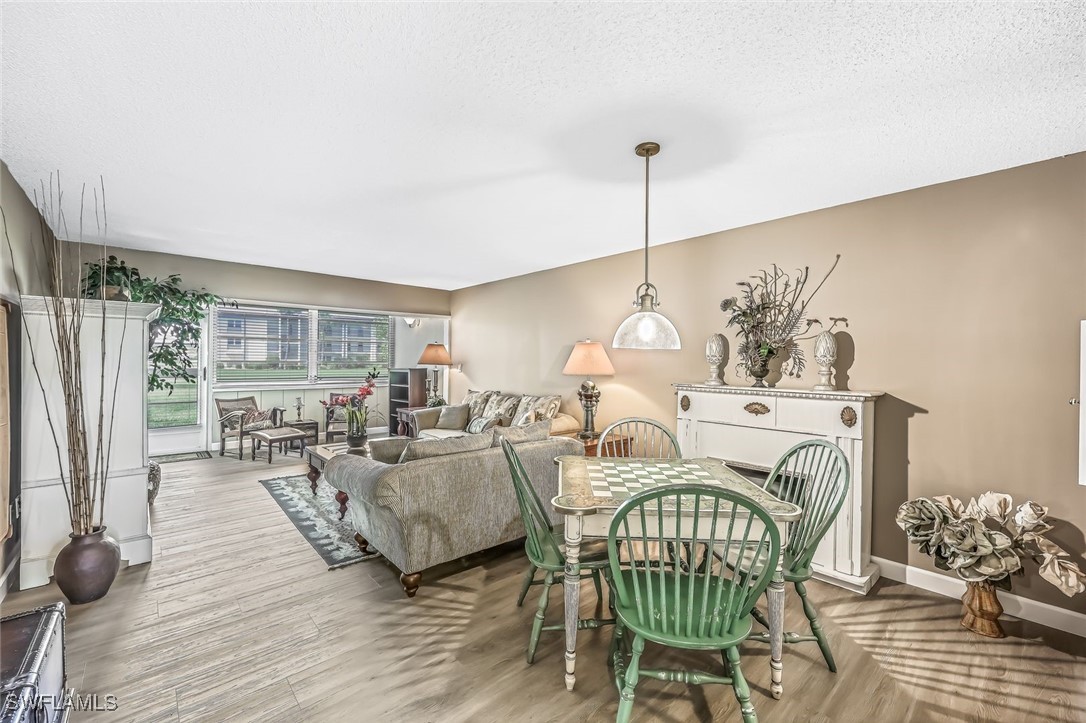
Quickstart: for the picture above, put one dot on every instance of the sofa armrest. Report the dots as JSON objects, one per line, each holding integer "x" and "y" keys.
{"x": 357, "y": 476}
{"x": 388, "y": 450}
{"x": 426, "y": 418}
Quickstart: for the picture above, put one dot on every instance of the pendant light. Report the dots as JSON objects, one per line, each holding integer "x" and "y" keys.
{"x": 646, "y": 328}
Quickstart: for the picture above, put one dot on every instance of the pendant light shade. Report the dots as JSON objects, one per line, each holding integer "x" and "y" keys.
{"x": 646, "y": 328}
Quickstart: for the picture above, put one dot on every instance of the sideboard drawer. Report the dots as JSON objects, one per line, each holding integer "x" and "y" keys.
{"x": 746, "y": 410}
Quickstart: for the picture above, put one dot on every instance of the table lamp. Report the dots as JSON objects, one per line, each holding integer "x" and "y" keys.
{"x": 435, "y": 354}
{"x": 588, "y": 359}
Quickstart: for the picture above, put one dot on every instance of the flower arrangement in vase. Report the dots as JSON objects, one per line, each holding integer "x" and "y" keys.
{"x": 356, "y": 409}
{"x": 984, "y": 543}
{"x": 771, "y": 315}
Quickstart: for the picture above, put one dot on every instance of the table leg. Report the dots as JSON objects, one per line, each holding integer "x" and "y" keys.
{"x": 314, "y": 474}
{"x": 775, "y": 600}
{"x": 341, "y": 498}
{"x": 573, "y": 594}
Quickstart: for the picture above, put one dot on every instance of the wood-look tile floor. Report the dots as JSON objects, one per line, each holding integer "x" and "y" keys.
{"x": 237, "y": 618}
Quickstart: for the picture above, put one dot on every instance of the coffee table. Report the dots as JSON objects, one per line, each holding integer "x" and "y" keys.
{"x": 318, "y": 456}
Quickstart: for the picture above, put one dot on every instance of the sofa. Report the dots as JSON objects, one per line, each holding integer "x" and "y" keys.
{"x": 423, "y": 502}
{"x": 480, "y": 412}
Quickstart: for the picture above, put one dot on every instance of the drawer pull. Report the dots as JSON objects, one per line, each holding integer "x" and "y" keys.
{"x": 684, "y": 403}
{"x": 848, "y": 417}
{"x": 757, "y": 409}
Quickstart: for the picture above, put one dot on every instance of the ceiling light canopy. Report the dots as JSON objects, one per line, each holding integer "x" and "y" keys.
{"x": 646, "y": 328}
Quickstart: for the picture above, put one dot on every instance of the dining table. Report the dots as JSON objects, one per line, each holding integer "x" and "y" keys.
{"x": 590, "y": 489}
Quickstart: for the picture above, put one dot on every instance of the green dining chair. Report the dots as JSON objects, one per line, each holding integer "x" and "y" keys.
{"x": 687, "y": 606}
{"x": 814, "y": 475}
{"x": 638, "y": 437}
{"x": 543, "y": 545}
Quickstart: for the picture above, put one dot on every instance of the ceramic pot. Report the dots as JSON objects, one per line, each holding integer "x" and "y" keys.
{"x": 86, "y": 566}
{"x": 981, "y": 610}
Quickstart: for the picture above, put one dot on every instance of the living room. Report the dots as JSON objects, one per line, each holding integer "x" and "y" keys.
{"x": 387, "y": 279}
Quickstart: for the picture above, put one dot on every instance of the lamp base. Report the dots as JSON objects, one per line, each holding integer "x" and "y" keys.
{"x": 589, "y": 394}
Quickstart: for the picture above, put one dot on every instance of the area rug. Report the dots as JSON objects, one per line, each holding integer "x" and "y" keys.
{"x": 181, "y": 457}
{"x": 317, "y": 517}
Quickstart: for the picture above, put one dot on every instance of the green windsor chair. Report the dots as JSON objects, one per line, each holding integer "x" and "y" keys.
{"x": 687, "y": 606}
{"x": 814, "y": 475}
{"x": 638, "y": 437}
{"x": 543, "y": 545}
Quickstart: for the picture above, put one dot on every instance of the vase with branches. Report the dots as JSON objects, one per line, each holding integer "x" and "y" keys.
{"x": 771, "y": 316}
{"x": 81, "y": 433}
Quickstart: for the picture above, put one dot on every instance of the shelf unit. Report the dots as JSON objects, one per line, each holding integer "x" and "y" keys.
{"x": 406, "y": 388}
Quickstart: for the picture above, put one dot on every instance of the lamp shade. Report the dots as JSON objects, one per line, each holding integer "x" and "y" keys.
{"x": 587, "y": 359}
{"x": 435, "y": 354}
{"x": 646, "y": 329}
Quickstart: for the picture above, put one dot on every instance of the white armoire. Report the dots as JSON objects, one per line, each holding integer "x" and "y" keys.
{"x": 750, "y": 427}
{"x": 45, "y": 525}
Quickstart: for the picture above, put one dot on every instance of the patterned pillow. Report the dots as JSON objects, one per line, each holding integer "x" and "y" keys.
{"x": 476, "y": 402}
{"x": 501, "y": 405}
{"x": 482, "y": 424}
{"x": 257, "y": 419}
{"x": 533, "y": 409}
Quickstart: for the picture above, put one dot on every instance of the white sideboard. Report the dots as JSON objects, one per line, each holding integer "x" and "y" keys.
{"x": 754, "y": 427}
{"x": 45, "y": 525}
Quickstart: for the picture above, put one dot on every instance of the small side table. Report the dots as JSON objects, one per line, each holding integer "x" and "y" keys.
{"x": 403, "y": 415}
{"x": 309, "y": 426}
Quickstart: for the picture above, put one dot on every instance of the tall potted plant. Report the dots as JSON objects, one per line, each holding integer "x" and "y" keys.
{"x": 175, "y": 333}
{"x": 85, "y": 567}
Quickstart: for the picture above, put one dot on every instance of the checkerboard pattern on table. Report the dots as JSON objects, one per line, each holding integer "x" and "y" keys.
{"x": 624, "y": 478}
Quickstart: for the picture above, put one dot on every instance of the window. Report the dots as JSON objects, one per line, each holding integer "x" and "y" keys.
{"x": 350, "y": 345}
{"x": 265, "y": 344}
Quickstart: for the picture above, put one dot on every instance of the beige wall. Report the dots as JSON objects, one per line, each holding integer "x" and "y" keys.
{"x": 23, "y": 231}
{"x": 266, "y": 283}
{"x": 964, "y": 301}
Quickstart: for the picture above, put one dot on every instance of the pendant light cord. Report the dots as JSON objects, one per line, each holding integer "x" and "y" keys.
{"x": 647, "y": 157}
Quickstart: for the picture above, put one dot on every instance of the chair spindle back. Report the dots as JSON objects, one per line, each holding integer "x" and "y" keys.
{"x": 696, "y": 601}
{"x": 638, "y": 437}
{"x": 814, "y": 475}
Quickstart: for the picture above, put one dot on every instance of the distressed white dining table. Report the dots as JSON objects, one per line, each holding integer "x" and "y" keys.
{"x": 590, "y": 489}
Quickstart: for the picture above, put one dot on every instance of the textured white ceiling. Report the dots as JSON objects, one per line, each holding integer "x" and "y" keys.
{"x": 446, "y": 145}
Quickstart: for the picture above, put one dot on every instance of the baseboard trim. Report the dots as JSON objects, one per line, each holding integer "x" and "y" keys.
{"x": 1016, "y": 605}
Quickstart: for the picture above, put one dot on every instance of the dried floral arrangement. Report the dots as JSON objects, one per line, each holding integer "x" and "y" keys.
{"x": 771, "y": 315}
{"x": 986, "y": 540}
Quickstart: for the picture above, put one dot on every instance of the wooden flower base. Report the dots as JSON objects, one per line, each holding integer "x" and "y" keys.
{"x": 982, "y": 610}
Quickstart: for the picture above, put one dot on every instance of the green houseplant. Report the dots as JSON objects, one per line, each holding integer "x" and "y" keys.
{"x": 176, "y": 331}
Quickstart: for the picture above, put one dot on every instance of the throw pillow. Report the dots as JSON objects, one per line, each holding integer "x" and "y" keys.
{"x": 426, "y": 448}
{"x": 544, "y": 407}
{"x": 477, "y": 401}
{"x": 482, "y": 424}
{"x": 564, "y": 424}
{"x": 536, "y": 432}
{"x": 453, "y": 417}
{"x": 501, "y": 405}
{"x": 257, "y": 419}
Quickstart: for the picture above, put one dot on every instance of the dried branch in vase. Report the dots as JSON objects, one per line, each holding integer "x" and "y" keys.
{"x": 771, "y": 315}
{"x": 83, "y": 467}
